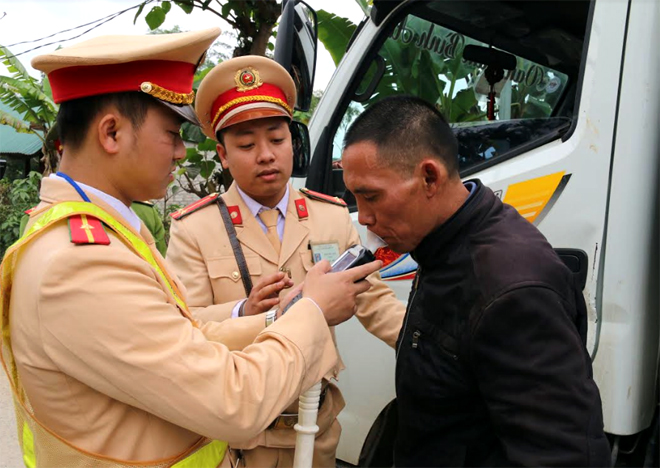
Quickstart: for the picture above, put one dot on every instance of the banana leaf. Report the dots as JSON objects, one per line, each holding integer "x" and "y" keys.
{"x": 16, "y": 124}
{"x": 334, "y": 33}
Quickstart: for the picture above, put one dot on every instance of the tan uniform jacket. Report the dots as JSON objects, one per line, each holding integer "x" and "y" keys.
{"x": 202, "y": 257}
{"x": 109, "y": 362}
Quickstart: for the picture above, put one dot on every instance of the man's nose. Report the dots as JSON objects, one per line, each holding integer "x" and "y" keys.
{"x": 179, "y": 150}
{"x": 365, "y": 218}
{"x": 265, "y": 154}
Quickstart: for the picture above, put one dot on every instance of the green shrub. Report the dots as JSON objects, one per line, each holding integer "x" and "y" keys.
{"x": 16, "y": 197}
{"x": 167, "y": 220}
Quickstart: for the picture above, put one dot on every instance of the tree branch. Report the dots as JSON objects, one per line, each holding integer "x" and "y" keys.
{"x": 199, "y": 3}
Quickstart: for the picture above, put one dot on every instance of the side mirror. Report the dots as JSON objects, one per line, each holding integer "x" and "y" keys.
{"x": 3, "y": 168}
{"x": 301, "y": 148}
{"x": 295, "y": 48}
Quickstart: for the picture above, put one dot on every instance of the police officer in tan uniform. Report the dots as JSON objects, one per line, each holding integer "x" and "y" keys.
{"x": 107, "y": 364}
{"x": 246, "y": 105}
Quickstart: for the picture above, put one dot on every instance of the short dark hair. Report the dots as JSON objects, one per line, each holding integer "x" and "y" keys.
{"x": 75, "y": 116}
{"x": 220, "y": 136}
{"x": 405, "y": 129}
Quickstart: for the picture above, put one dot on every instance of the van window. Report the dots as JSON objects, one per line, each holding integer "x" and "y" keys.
{"x": 422, "y": 54}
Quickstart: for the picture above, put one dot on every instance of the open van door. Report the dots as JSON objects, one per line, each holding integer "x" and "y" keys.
{"x": 566, "y": 135}
{"x": 295, "y": 48}
{"x": 554, "y": 105}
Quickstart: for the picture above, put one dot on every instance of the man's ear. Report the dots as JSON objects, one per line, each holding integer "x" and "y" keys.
{"x": 108, "y": 127}
{"x": 434, "y": 176}
{"x": 222, "y": 152}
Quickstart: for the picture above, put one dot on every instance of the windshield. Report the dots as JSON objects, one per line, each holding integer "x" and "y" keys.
{"x": 424, "y": 54}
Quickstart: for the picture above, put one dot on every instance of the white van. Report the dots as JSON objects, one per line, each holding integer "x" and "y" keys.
{"x": 572, "y": 143}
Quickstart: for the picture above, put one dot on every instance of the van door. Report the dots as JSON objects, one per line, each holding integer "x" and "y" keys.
{"x": 546, "y": 150}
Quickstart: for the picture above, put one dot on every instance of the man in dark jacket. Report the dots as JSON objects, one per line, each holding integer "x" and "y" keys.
{"x": 492, "y": 368}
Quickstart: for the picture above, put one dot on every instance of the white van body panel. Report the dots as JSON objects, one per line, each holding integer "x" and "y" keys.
{"x": 608, "y": 208}
{"x": 627, "y": 361}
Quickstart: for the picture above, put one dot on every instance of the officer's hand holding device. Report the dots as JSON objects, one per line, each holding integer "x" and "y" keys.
{"x": 353, "y": 257}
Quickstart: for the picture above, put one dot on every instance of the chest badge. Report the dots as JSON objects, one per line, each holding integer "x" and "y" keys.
{"x": 324, "y": 251}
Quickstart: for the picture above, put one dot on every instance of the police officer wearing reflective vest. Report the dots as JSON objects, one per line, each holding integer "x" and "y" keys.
{"x": 107, "y": 365}
{"x": 275, "y": 231}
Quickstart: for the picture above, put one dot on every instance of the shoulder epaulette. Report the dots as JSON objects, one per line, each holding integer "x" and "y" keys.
{"x": 322, "y": 197}
{"x": 146, "y": 203}
{"x": 85, "y": 229}
{"x": 30, "y": 210}
{"x": 183, "y": 212}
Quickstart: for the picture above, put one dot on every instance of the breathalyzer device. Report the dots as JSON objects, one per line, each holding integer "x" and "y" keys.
{"x": 355, "y": 255}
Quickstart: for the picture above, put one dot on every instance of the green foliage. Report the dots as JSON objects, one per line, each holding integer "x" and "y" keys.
{"x": 365, "y": 6}
{"x": 32, "y": 100}
{"x": 422, "y": 72}
{"x": 305, "y": 117}
{"x": 14, "y": 65}
{"x": 156, "y": 17}
{"x": 200, "y": 172}
{"x": 16, "y": 124}
{"x": 168, "y": 210}
{"x": 187, "y": 7}
{"x": 435, "y": 70}
{"x": 25, "y": 95}
{"x": 334, "y": 32}
{"x": 531, "y": 101}
{"x": 252, "y": 20}
{"x": 16, "y": 197}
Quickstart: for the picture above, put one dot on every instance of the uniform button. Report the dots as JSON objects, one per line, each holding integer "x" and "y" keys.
{"x": 234, "y": 275}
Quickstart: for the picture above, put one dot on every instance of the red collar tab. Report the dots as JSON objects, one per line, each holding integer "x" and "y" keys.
{"x": 301, "y": 208}
{"x": 322, "y": 197}
{"x": 173, "y": 80}
{"x": 198, "y": 205}
{"x": 85, "y": 229}
{"x": 28, "y": 211}
{"x": 235, "y": 215}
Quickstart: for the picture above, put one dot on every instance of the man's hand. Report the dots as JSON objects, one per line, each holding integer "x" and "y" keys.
{"x": 288, "y": 298}
{"x": 265, "y": 294}
{"x": 335, "y": 293}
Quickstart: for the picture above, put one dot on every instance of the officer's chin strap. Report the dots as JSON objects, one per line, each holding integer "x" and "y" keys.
{"x": 308, "y": 409}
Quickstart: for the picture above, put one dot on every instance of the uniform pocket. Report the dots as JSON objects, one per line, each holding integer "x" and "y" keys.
{"x": 226, "y": 267}
{"x": 306, "y": 258}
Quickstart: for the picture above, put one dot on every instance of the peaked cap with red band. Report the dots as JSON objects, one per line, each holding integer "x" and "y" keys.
{"x": 244, "y": 88}
{"x": 161, "y": 65}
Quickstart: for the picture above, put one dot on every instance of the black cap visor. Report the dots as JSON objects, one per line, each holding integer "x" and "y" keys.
{"x": 184, "y": 110}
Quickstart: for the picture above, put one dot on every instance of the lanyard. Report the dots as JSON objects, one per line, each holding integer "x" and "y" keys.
{"x": 74, "y": 185}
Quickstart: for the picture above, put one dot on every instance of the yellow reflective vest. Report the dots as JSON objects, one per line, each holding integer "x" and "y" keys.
{"x": 41, "y": 446}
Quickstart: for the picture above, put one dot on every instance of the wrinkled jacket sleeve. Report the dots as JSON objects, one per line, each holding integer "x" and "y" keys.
{"x": 378, "y": 309}
{"x": 105, "y": 320}
{"x": 185, "y": 256}
{"x": 535, "y": 375}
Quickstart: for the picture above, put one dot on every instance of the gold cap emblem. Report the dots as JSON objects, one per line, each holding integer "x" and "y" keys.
{"x": 247, "y": 79}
